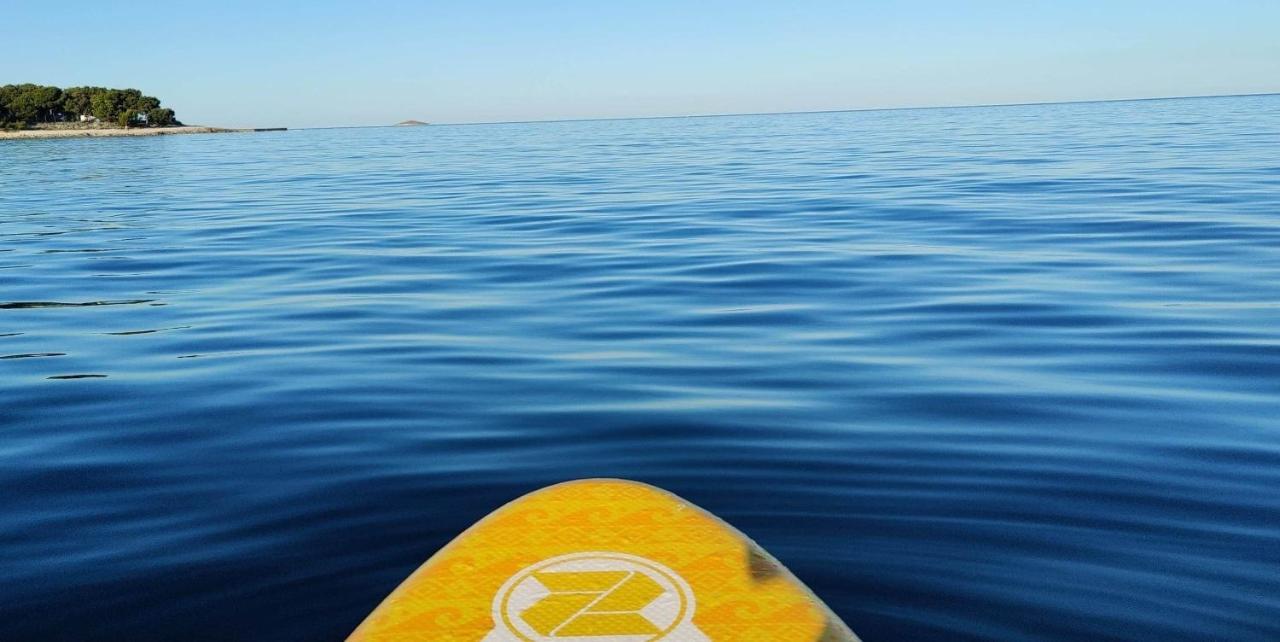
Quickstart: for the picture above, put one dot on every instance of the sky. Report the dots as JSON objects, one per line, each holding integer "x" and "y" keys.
{"x": 333, "y": 63}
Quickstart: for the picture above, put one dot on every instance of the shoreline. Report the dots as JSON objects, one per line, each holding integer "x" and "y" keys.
{"x": 140, "y": 131}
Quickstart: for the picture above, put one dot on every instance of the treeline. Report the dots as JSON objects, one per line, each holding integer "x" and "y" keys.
{"x": 26, "y": 105}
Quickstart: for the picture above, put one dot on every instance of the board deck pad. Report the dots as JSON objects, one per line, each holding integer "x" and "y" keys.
{"x": 601, "y": 560}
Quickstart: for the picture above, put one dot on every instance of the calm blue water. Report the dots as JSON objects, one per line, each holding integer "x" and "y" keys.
{"x": 1003, "y": 373}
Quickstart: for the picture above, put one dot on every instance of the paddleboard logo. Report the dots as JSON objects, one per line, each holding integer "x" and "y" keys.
{"x": 594, "y": 597}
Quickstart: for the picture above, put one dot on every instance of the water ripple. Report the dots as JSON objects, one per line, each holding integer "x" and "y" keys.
{"x": 18, "y": 305}
{"x": 999, "y": 374}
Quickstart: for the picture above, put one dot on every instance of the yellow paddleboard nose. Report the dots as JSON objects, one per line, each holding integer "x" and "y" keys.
{"x": 601, "y": 560}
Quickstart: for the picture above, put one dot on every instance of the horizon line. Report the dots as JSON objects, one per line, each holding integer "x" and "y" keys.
{"x": 814, "y": 111}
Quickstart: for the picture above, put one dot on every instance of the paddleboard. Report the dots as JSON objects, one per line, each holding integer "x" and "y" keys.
{"x": 602, "y": 560}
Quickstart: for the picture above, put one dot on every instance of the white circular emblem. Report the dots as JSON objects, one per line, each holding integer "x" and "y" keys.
{"x": 594, "y": 597}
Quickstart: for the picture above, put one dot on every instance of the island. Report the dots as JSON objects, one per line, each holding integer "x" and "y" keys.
{"x": 411, "y": 123}
{"x": 40, "y": 111}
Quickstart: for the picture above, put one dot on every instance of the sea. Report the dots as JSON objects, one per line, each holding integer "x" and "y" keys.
{"x": 998, "y": 373}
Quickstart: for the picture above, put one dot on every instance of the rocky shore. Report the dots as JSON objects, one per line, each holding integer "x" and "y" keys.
{"x": 78, "y": 132}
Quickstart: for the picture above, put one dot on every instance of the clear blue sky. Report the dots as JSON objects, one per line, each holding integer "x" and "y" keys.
{"x": 324, "y": 62}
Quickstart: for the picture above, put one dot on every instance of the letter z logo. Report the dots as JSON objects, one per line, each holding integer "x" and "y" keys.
{"x": 594, "y": 597}
{"x": 588, "y": 603}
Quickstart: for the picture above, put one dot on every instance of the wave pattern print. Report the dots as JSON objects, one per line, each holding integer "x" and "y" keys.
{"x": 972, "y": 374}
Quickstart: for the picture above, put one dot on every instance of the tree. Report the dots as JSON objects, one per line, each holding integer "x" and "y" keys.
{"x": 79, "y": 100}
{"x": 28, "y": 104}
{"x": 129, "y": 98}
{"x": 7, "y": 95}
{"x": 145, "y": 103}
{"x": 46, "y": 102}
{"x": 103, "y": 106}
{"x": 127, "y": 118}
{"x": 25, "y": 104}
{"x": 160, "y": 117}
